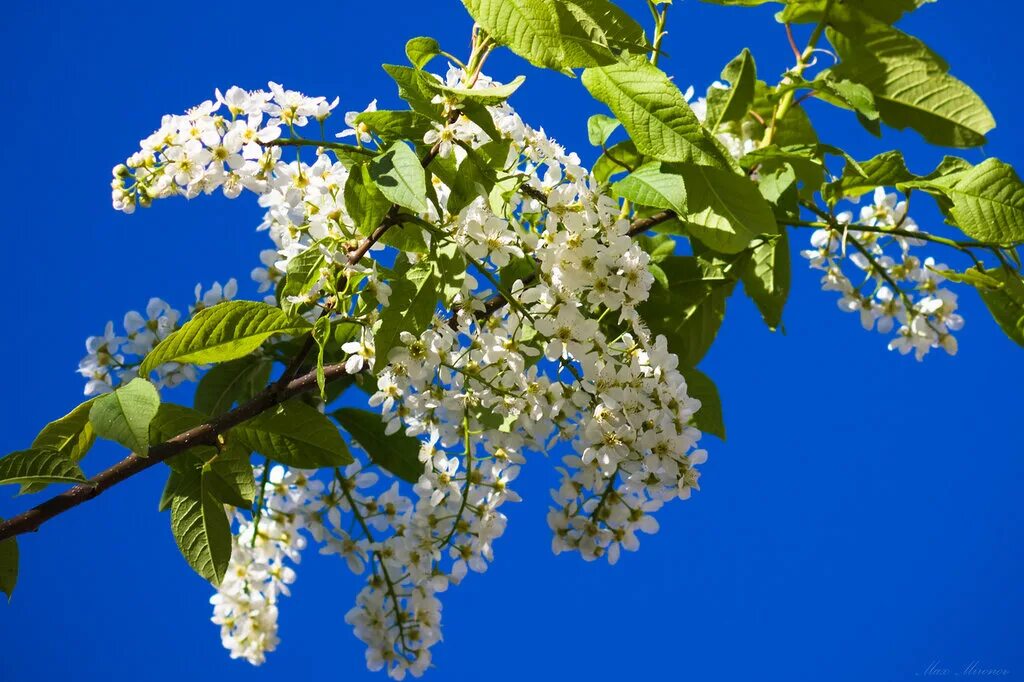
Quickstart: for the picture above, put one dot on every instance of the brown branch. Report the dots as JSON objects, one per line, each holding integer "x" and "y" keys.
{"x": 204, "y": 434}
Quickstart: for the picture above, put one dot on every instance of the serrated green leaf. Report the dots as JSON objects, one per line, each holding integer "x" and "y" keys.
{"x": 366, "y": 205}
{"x": 305, "y": 271}
{"x": 887, "y": 169}
{"x": 765, "y": 274}
{"x": 421, "y": 50}
{"x": 124, "y": 415}
{"x": 732, "y": 104}
{"x": 487, "y": 96}
{"x": 611, "y": 162}
{"x": 654, "y": 113}
{"x": 296, "y": 435}
{"x": 201, "y": 527}
{"x": 231, "y": 382}
{"x": 412, "y": 88}
{"x": 223, "y": 332}
{"x": 71, "y": 436}
{"x": 560, "y": 34}
{"x": 987, "y": 202}
{"x": 700, "y": 386}
{"x": 724, "y": 211}
{"x": 39, "y": 465}
{"x": 395, "y": 125}
{"x": 690, "y": 311}
{"x": 395, "y": 452}
{"x": 411, "y": 307}
{"x": 172, "y": 420}
{"x": 399, "y": 176}
{"x": 910, "y": 83}
{"x": 600, "y": 128}
{"x": 1006, "y": 303}
{"x": 648, "y": 185}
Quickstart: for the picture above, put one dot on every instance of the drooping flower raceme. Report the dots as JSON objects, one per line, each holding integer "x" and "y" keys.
{"x": 890, "y": 288}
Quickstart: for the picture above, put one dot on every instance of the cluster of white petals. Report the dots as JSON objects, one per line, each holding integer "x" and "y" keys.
{"x": 892, "y": 289}
{"x": 560, "y": 355}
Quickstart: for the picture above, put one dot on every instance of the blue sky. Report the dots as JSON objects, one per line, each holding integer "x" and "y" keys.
{"x": 862, "y": 522}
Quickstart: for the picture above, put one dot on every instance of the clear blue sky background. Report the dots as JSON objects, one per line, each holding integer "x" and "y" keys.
{"x": 863, "y": 520}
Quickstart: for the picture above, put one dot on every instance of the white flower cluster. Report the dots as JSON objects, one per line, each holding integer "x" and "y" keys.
{"x": 202, "y": 150}
{"x": 245, "y": 606}
{"x": 114, "y": 359}
{"x": 895, "y": 289}
{"x": 565, "y": 358}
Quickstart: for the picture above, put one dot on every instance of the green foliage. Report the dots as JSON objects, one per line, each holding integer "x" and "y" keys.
{"x": 71, "y": 436}
{"x": 690, "y": 310}
{"x": 414, "y": 296}
{"x": 654, "y": 113}
{"x": 124, "y": 415}
{"x": 987, "y": 201}
{"x": 888, "y": 168}
{"x": 296, "y": 435}
{"x": 8, "y": 566}
{"x": 395, "y": 125}
{"x": 599, "y": 128}
{"x": 765, "y": 274}
{"x": 305, "y": 271}
{"x": 611, "y": 162}
{"x": 421, "y": 50}
{"x": 485, "y": 96}
{"x": 231, "y": 382}
{"x": 909, "y": 82}
{"x": 709, "y": 417}
{"x": 366, "y": 204}
{"x": 395, "y": 452}
{"x": 399, "y": 176}
{"x": 734, "y": 103}
{"x": 723, "y": 210}
{"x": 412, "y": 89}
{"x": 223, "y": 332}
{"x": 1007, "y": 302}
{"x": 39, "y": 466}
{"x": 560, "y": 34}
{"x": 200, "y": 525}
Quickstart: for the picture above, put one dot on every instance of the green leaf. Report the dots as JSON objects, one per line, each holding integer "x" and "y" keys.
{"x": 412, "y": 88}
{"x": 910, "y": 83}
{"x": 700, "y": 386}
{"x": 201, "y": 527}
{"x": 231, "y": 479}
{"x": 648, "y": 185}
{"x": 487, "y": 96}
{"x": 71, "y": 436}
{"x": 724, "y": 211}
{"x": 305, "y": 271}
{"x": 1006, "y": 303}
{"x": 231, "y": 382}
{"x": 988, "y": 202}
{"x": 124, "y": 415}
{"x": 766, "y": 278}
{"x": 807, "y": 161}
{"x": 399, "y": 176}
{"x": 172, "y": 420}
{"x": 395, "y": 452}
{"x": 39, "y": 465}
{"x": 414, "y": 296}
{"x": 560, "y": 34}
{"x": 734, "y": 103}
{"x": 421, "y": 50}
{"x": 600, "y": 128}
{"x": 223, "y": 332}
{"x": 321, "y": 335}
{"x": 366, "y": 205}
{"x": 624, "y": 152}
{"x": 395, "y": 125}
{"x": 654, "y": 113}
{"x": 296, "y": 435}
{"x": 8, "y": 566}
{"x": 690, "y": 311}
{"x": 887, "y": 169}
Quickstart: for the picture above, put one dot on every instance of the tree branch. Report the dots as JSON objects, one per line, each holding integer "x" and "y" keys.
{"x": 129, "y": 466}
